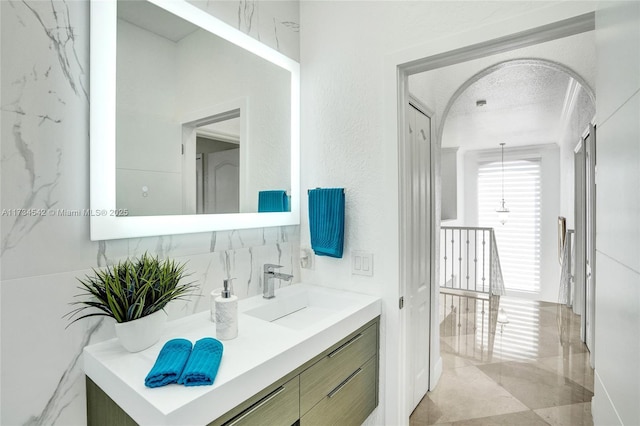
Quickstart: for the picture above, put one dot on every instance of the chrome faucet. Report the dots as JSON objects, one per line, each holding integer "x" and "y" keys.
{"x": 268, "y": 291}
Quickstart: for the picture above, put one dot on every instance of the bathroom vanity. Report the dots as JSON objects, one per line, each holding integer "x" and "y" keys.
{"x": 310, "y": 355}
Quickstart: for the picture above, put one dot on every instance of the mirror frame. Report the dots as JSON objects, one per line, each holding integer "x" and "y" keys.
{"x": 105, "y": 223}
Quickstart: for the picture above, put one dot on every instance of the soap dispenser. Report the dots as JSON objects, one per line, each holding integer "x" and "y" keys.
{"x": 226, "y": 313}
{"x": 212, "y": 302}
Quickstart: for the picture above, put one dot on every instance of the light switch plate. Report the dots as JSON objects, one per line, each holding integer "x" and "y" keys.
{"x": 362, "y": 263}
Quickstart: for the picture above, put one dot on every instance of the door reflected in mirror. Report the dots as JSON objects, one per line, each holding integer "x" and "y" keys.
{"x": 218, "y": 167}
{"x": 202, "y": 125}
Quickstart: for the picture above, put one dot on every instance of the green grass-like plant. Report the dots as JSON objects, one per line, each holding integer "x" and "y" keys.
{"x": 131, "y": 289}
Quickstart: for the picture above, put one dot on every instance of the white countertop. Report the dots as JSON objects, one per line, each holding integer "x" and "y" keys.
{"x": 262, "y": 353}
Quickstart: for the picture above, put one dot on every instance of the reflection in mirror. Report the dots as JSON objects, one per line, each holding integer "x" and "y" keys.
{"x": 218, "y": 166}
{"x": 161, "y": 77}
{"x": 202, "y": 126}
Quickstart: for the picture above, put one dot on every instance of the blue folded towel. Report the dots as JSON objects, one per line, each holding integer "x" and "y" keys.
{"x": 326, "y": 221}
{"x": 273, "y": 201}
{"x": 202, "y": 366}
{"x": 170, "y": 362}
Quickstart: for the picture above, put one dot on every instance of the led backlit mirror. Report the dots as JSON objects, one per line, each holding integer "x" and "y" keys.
{"x": 192, "y": 122}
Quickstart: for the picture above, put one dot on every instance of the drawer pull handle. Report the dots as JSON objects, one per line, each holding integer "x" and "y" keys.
{"x": 344, "y": 383}
{"x": 344, "y": 346}
{"x": 255, "y": 407}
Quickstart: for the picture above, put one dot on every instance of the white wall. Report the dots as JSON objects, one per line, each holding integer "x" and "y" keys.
{"x": 617, "y": 339}
{"x": 349, "y": 53}
{"x": 549, "y": 155}
{"x": 449, "y": 170}
{"x": 148, "y": 138}
{"x": 44, "y": 164}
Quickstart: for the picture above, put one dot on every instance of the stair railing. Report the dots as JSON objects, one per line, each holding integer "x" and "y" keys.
{"x": 470, "y": 261}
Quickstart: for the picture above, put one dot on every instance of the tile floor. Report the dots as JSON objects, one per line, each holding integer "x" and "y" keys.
{"x": 534, "y": 370}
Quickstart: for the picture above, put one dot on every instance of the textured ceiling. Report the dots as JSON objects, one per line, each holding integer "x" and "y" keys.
{"x": 525, "y": 106}
{"x": 520, "y": 108}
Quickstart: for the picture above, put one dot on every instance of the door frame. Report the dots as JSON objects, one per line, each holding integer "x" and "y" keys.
{"x": 579, "y": 225}
{"x": 585, "y": 236}
{"x": 413, "y": 61}
{"x": 190, "y": 123}
{"x": 590, "y": 141}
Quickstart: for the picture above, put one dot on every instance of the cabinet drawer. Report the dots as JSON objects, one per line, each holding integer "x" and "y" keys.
{"x": 350, "y": 403}
{"x": 322, "y": 377}
{"x": 278, "y": 407}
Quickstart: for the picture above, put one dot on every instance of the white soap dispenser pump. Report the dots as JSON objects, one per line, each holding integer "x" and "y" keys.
{"x": 226, "y": 313}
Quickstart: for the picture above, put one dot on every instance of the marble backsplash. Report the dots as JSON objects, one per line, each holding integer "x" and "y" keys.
{"x": 45, "y": 165}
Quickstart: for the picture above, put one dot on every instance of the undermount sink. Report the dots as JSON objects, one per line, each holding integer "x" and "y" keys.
{"x": 299, "y": 308}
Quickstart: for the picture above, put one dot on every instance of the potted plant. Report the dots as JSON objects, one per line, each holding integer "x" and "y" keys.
{"x": 134, "y": 293}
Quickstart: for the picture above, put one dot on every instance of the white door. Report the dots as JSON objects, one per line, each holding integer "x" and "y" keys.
{"x": 418, "y": 252}
{"x": 590, "y": 246}
{"x": 222, "y": 182}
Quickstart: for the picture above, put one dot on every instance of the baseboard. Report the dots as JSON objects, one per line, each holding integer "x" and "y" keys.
{"x": 603, "y": 410}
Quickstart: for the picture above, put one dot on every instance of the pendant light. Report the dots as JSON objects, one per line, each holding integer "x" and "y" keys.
{"x": 503, "y": 211}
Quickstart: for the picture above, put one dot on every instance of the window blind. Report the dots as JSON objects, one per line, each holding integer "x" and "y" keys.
{"x": 518, "y": 240}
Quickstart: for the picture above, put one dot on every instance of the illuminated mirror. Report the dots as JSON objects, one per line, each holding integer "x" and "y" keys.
{"x": 192, "y": 122}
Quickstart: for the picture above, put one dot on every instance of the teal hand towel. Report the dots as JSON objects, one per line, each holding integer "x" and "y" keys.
{"x": 326, "y": 221}
{"x": 170, "y": 362}
{"x": 202, "y": 366}
{"x": 273, "y": 201}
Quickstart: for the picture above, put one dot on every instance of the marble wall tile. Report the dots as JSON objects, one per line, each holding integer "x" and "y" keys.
{"x": 45, "y": 107}
{"x": 42, "y": 378}
{"x": 45, "y": 165}
{"x": 274, "y": 23}
{"x": 243, "y": 264}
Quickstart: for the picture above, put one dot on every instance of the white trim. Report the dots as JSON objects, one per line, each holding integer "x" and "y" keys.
{"x": 436, "y": 371}
{"x": 218, "y": 136}
{"x": 602, "y": 405}
{"x": 591, "y": 150}
{"x": 490, "y": 43}
{"x": 420, "y": 106}
{"x": 526, "y": 152}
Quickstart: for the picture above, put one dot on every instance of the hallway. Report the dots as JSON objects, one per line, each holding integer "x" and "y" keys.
{"x": 536, "y": 372}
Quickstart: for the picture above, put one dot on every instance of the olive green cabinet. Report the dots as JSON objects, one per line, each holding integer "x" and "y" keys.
{"x": 350, "y": 403}
{"x": 278, "y": 405}
{"x": 328, "y": 388}
{"x": 337, "y": 387}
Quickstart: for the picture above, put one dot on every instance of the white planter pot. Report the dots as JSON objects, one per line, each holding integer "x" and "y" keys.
{"x": 142, "y": 333}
